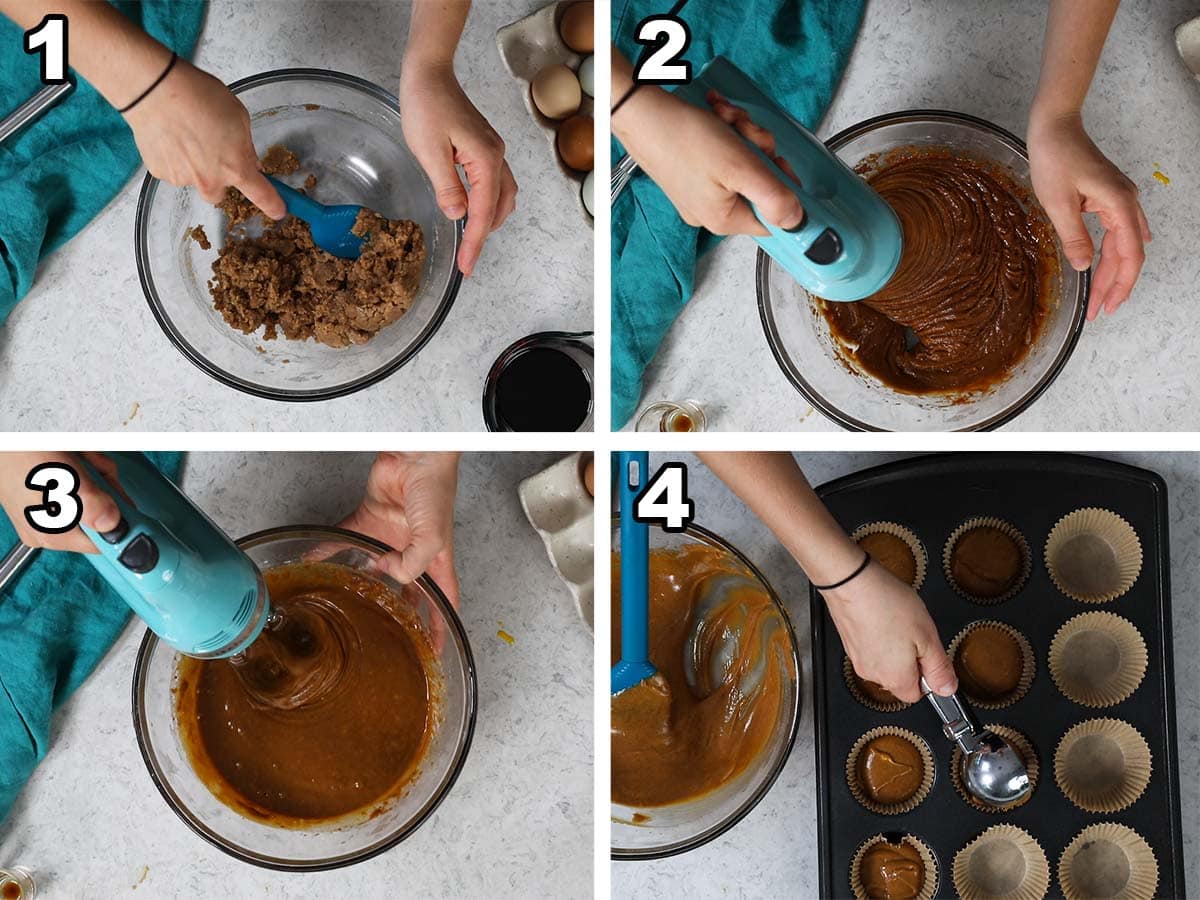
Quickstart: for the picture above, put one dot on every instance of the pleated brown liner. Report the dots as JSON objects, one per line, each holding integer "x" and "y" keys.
{"x": 1028, "y": 664}
{"x": 890, "y": 809}
{"x": 1093, "y": 555}
{"x": 852, "y": 682}
{"x": 1097, "y": 659}
{"x": 1102, "y": 765}
{"x": 1009, "y": 529}
{"x": 1004, "y": 862}
{"x": 1022, "y": 745}
{"x": 920, "y": 558}
{"x": 928, "y": 887}
{"x": 1108, "y": 860}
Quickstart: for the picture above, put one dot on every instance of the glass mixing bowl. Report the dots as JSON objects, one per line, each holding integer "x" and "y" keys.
{"x": 681, "y": 827}
{"x": 349, "y": 840}
{"x": 799, "y": 335}
{"x": 346, "y": 131}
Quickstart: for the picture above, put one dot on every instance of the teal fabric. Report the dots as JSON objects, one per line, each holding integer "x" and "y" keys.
{"x": 796, "y": 51}
{"x": 62, "y": 170}
{"x": 57, "y": 620}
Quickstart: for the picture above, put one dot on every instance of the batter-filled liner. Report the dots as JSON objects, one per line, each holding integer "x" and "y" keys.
{"x": 978, "y": 274}
{"x": 341, "y": 758}
{"x": 887, "y": 866}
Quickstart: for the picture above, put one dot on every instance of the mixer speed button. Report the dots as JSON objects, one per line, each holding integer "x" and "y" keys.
{"x": 141, "y": 556}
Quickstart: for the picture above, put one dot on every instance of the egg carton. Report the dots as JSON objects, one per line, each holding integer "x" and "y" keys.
{"x": 1187, "y": 39}
{"x": 561, "y": 510}
{"x": 526, "y": 47}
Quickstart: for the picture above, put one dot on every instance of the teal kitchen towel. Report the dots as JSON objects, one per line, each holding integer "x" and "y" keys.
{"x": 796, "y": 51}
{"x": 61, "y": 171}
{"x": 57, "y": 620}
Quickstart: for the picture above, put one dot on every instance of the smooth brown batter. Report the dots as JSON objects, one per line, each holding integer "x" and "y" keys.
{"x": 675, "y": 738}
{"x": 892, "y": 553}
{"x": 281, "y": 281}
{"x": 351, "y": 750}
{"x": 988, "y": 662}
{"x": 986, "y": 562}
{"x": 876, "y": 692}
{"x": 978, "y": 271}
{"x": 890, "y": 871}
{"x": 889, "y": 769}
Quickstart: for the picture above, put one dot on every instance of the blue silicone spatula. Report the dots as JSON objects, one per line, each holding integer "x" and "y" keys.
{"x": 330, "y": 225}
{"x": 634, "y": 666}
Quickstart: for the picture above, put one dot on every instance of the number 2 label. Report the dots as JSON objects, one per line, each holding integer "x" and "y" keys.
{"x": 670, "y": 37}
{"x": 49, "y": 38}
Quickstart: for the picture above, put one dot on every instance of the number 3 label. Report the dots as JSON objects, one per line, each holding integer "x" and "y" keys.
{"x": 60, "y": 508}
{"x": 669, "y": 36}
{"x": 664, "y": 500}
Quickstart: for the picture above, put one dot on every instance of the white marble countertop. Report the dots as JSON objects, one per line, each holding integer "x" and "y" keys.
{"x": 1138, "y": 370}
{"x": 517, "y": 823}
{"x": 87, "y": 310}
{"x": 773, "y": 851}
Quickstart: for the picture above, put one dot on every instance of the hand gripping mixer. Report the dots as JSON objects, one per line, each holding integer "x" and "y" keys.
{"x": 849, "y": 242}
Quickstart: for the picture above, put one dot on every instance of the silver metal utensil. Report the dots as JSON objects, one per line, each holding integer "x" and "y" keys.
{"x": 14, "y": 562}
{"x": 32, "y": 108}
{"x": 991, "y": 769}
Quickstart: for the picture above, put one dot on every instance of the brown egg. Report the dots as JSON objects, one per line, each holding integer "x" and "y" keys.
{"x": 576, "y": 143}
{"x": 556, "y": 92}
{"x": 589, "y": 477}
{"x": 576, "y": 27}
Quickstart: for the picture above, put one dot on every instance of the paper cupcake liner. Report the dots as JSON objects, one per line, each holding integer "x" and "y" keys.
{"x": 920, "y": 558}
{"x": 1003, "y": 862}
{"x": 1108, "y": 860}
{"x": 861, "y": 696}
{"x": 1028, "y": 664}
{"x": 928, "y": 889}
{"x": 1097, "y": 659}
{"x": 1093, "y": 555}
{"x": 890, "y": 809}
{"x": 1022, "y": 745}
{"x": 1009, "y": 529}
{"x": 1102, "y": 765}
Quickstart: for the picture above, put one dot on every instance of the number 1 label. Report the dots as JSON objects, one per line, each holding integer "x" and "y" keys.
{"x": 49, "y": 38}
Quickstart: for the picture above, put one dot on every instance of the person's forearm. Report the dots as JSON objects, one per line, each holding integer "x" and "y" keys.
{"x": 1075, "y": 34}
{"x": 113, "y": 54}
{"x": 773, "y": 486}
{"x": 433, "y": 33}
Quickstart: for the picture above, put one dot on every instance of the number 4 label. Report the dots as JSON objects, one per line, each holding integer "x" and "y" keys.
{"x": 49, "y": 37}
{"x": 670, "y": 37}
{"x": 664, "y": 501}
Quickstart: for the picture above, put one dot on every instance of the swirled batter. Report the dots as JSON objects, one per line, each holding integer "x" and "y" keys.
{"x": 344, "y": 733}
{"x": 978, "y": 272}
{"x": 723, "y": 659}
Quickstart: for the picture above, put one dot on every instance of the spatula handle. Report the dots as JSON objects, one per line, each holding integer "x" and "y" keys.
{"x": 632, "y": 476}
{"x": 299, "y": 205}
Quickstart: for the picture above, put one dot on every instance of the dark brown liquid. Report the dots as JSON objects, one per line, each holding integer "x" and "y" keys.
{"x": 543, "y": 389}
{"x": 350, "y": 751}
{"x": 11, "y": 891}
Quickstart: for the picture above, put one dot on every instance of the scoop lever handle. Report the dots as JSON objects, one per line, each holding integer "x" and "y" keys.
{"x": 957, "y": 722}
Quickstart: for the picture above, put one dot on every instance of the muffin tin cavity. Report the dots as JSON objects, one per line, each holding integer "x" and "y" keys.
{"x": 1098, "y": 659}
{"x": 1093, "y": 555}
{"x": 994, "y": 663}
{"x": 986, "y": 560}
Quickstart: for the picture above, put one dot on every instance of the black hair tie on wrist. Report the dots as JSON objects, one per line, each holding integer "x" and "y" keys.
{"x": 837, "y": 584}
{"x": 629, "y": 93}
{"x": 159, "y": 80}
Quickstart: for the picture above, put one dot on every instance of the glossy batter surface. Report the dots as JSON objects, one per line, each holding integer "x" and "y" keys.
{"x": 891, "y": 871}
{"x": 978, "y": 271}
{"x": 346, "y": 751}
{"x": 986, "y": 562}
{"x": 889, "y": 769}
{"x": 988, "y": 663}
{"x": 724, "y": 658}
{"x": 892, "y": 553}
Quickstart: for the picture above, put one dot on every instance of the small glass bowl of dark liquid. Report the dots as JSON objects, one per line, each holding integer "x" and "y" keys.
{"x": 543, "y": 382}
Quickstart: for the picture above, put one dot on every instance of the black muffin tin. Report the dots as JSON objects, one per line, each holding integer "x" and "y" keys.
{"x": 932, "y": 496}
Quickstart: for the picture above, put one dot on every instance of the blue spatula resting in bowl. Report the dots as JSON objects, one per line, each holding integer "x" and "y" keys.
{"x": 330, "y": 225}
{"x": 634, "y": 666}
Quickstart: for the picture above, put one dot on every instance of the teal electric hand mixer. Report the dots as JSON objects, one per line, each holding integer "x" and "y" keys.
{"x": 849, "y": 242}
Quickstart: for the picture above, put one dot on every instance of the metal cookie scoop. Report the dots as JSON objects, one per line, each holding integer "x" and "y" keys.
{"x": 991, "y": 769}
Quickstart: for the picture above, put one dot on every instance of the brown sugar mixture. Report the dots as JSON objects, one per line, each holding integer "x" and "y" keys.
{"x": 989, "y": 663}
{"x": 282, "y": 282}
{"x": 352, "y": 748}
{"x": 890, "y": 871}
{"x": 889, "y": 769}
{"x": 892, "y": 553}
{"x": 876, "y": 692}
{"x": 723, "y": 658}
{"x": 978, "y": 271}
{"x": 986, "y": 562}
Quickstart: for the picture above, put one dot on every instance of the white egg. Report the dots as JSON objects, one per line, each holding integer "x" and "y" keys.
{"x": 587, "y": 76}
{"x": 589, "y": 191}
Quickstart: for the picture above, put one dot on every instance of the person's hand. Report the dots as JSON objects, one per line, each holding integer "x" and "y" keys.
{"x": 889, "y": 636}
{"x": 192, "y": 130}
{"x": 703, "y": 166}
{"x": 409, "y": 505}
{"x": 100, "y": 512}
{"x": 1070, "y": 177}
{"x": 444, "y": 129}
